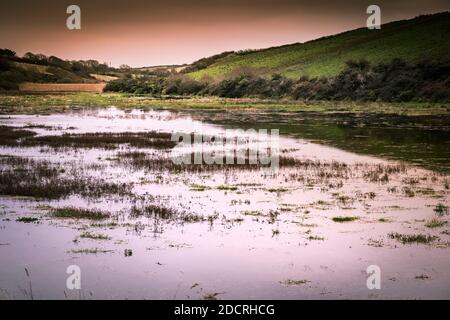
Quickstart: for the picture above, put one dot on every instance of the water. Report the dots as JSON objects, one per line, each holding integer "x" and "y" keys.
{"x": 261, "y": 231}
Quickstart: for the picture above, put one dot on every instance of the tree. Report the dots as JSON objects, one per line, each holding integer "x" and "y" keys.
{"x": 7, "y": 53}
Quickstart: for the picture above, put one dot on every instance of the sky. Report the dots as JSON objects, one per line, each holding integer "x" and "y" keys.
{"x": 158, "y": 32}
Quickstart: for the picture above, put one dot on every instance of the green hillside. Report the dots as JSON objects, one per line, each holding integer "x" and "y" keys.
{"x": 424, "y": 37}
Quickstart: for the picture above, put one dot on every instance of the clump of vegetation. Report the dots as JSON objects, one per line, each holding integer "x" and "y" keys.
{"x": 311, "y": 238}
{"x": 408, "y": 192}
{"x": 11, "y": 136}
{"x": 41, "y": 179}
{"x": 441, "y": 209}
{"x": 27, "y": 219}
{"x": 277, "y": 190}
{"x": 396, "y": 81}
{"x": 154, "y": 211}
{"x": 344, "y": 219}
{"x": 435, "y": 223}
{"x": 157, "y": 140}
{"x": 290, "y": 282}
{"x": 227, "y": 188}
{"x": 78, "y": 213}
{"x": 94, "y": 236}
{"x": 413, "y": 238}
{"x": 89, "y": 251}
{"x": 211, "y": 296}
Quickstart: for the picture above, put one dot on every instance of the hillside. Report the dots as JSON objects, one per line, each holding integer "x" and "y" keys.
{"x": 424, "y": 37}
{"x": 38, "y": 68}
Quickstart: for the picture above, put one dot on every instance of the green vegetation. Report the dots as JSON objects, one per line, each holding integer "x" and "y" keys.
{"x": 78, "y": 213}
{"x": 40, "y": 68}
{"x": 51, "y": 103}
{"x": 27, "y": 219}
{"x": 441, "y": 209}
{"x": 413, "y": 238}
{"x": 344, "y": 219}
{"x": 104, "y": 140}
{"x": 412, "y": 40}
{"x": 395, "y": 81}
{"x": 94, "y": 236}
{"x": 40, "y": 179}
{"x": 435, "y": 223}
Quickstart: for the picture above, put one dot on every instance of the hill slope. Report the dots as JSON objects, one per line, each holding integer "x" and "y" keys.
{"x": 424, "y": 37}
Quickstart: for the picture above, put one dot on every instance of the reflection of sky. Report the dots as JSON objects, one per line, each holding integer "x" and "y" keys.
{"x": 236, "y": 259}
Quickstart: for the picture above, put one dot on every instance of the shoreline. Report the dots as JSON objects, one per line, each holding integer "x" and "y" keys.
{"x": 29, "y": 103}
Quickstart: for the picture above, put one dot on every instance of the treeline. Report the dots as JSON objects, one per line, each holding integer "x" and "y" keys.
{"x": 58, "y": 70}
{"x": 396, "y": 81}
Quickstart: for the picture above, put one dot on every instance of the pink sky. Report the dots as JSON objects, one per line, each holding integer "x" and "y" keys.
{"x": 154, "y": 32}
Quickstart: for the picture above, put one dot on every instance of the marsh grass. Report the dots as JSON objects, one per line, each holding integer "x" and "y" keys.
{"x": 41, "y": 179}
{"x": 156, "y": 140}
{"x": 11, "y": 136}
{"x": 78, "y": 213}
{"x": 291, "y": 282}
{"x": 341, "y": 219}
{"x": 435, "y": 223}
{"x": 413, "y": 238}
{"x": 89, "y": 251}
{"x": 94, "y": 236}
{"x": 441, "y": 209}
{"x": 27, "y": 220}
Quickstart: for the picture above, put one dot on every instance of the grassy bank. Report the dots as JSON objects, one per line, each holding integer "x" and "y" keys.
{"x": 59, "y": 102}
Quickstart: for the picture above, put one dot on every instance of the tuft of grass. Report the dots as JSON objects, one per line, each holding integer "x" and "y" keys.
{"x": 230, "y": 188}
{"x": 211, "y": 296}
{"x": 435, "y": 223}
{"x": 94, "y": 236}
{"x": 89, "y": 251}
{"x": 290, "y": 282}
{"x": 277, "y": 190}
{"x": 311, "y": 238}
{"x": 78, "y": 213}
{"x": 413, "y": 238}
{"x": 441, "y": 209}
{"x": 344, "y": 219}
{"x": 27, "y": 219}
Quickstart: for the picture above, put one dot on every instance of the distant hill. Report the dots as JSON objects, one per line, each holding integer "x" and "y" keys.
{"x": 38, "y": 68}
{"x": 422, "y": 38}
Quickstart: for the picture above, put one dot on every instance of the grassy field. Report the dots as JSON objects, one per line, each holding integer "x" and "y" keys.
{"x": 425, "y": 37}
{"x": 61, "y": 87}
{"x": 59, "y": 102}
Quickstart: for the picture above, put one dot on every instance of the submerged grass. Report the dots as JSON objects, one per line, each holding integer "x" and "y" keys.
{"x": 156, "y": 140}
{"x": 94, "y": 236}
{"x": 27, "y": 219}
{"x": 412, "y": 238}
{"x": 344, "y": 219}
{"x": 11, "y": 136}
{"x": 78, "y": 213}
{"x": 41, "y": 179}
{"x": 435, "y": 223}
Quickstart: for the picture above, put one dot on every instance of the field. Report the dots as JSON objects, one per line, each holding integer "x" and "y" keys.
{"x": 425, "y": 37}
{"x": 61, "y": 87}
{"x": 57, "y": 102}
